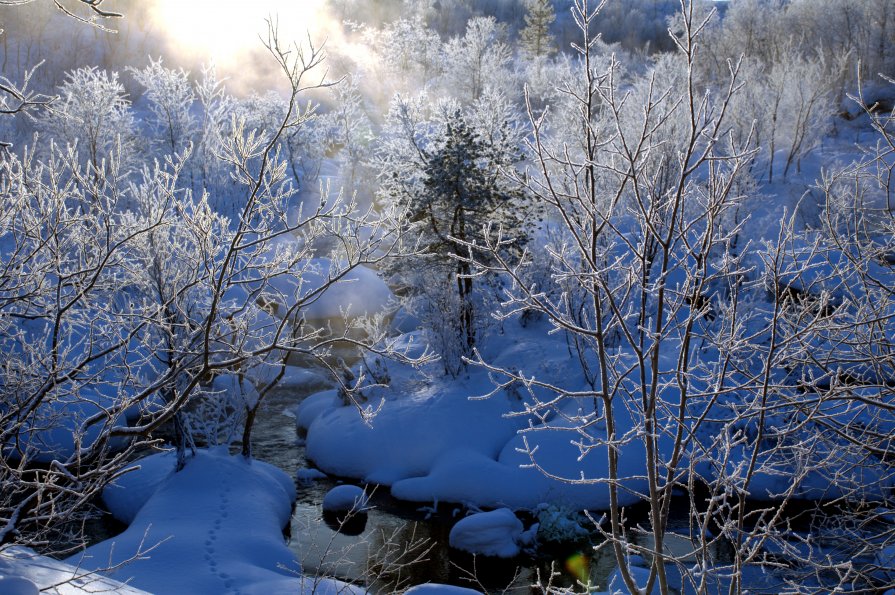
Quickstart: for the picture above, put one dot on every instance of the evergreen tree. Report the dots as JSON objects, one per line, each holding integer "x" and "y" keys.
{"x": 535, "y": 38}
{"x": 463, "y": 190}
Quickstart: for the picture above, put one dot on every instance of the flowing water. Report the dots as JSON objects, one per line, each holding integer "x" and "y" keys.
{"x": 399, "y": 544}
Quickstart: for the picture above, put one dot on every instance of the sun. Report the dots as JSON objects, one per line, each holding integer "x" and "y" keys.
{"x": 225, "y": 30}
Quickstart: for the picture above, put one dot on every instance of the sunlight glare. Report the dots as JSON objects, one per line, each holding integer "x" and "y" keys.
{"x": 225, "y": 30}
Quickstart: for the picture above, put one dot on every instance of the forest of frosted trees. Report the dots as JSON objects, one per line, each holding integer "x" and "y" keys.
{"x": 551, "y": 256}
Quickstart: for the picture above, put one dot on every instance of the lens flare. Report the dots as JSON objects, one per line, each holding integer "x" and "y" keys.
{"x": 578, "y": 565}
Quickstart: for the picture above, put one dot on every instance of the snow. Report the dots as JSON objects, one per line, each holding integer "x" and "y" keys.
{"x": 129, "y": 493}
{"x": 235, "y": 389}
{"x": 296, "y": 377}
{"x": 212, "y": 527}
{"x": 822, "y": 475}
{"x": 464, "y": 476}
{"x": 24, "y": 572}
{"x": 345, "y": 498}
{"x": 306, "y": 475}
{"x": 409, "y": 435}
{"x": 638, "y": 570}
{"x": 314, "y": 405}
{"x": 60, "y": 423}
{"x": 16, "y": 585}
{"x": 495, "y": 533}
{"x": 359, "y": 292}
{"x": 432, "y": 442}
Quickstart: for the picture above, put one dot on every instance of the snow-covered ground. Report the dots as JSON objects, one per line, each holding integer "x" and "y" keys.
{"x": 432, "y": 442}
{"x": 214, "y": 527}
{"x": 24, "y": 572}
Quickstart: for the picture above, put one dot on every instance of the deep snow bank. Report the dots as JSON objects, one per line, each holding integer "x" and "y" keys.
{"x": 214, "y": 527}
{"x": 436, "y": 443}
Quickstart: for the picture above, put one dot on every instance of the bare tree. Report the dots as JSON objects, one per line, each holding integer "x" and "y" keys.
{"x": 90, "y": 12}
{"x": 122, "y": 298}
{"x": 747, "y": 376}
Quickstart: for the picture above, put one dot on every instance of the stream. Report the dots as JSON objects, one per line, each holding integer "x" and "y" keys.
{"x": 401, "y": 544}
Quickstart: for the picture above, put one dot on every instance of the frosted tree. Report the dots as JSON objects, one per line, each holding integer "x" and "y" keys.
{"x": 750, "y": 376}
{"x": 127, "y": 300}
{"x": 477, "y": 59}
{"x": 92, "y": 111}
{"x": 170, "y": 96}
{"x": 410, "y": 49}
{"x": 445, "y": 168}
{"x": 90, "y": 12}
{"x": 19, "y": 98}
{"x": 348, "y": 130}
{"x": 798, "y": 108}
{"x": 217, "y": 106}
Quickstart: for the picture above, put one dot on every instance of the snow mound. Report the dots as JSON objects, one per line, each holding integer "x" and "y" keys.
{"x": 345, "y": 498}
{"x": 496, "y": 533}
{"x": 307, "y": 475}
{"x": 215, "y": 526}
{"x": 361, "y": 292}
{"x": 314, "y": 406}
{"x": 463, "y": 475}
{"x": 407, "y": 436}
{"x": 16, "y": 585}
{"x": 131, "y": 491}
{"x": 358, "y": 292}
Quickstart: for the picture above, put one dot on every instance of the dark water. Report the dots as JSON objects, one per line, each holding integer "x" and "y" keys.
{"x": 400, "y": 544}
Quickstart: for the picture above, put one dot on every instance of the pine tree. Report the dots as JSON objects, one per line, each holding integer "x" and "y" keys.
{"x": 463, "y": 190}
{"x": 535, "y": 38}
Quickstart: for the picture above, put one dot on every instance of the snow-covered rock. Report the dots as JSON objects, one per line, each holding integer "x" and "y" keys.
{"x": 359, "y": 292}
{"x": 408, "y": 435}
{"x": 496, "y": 533}
{"x": 306, "y": 475}
{"x": 464, "y": 475}
{"x": 345, "y": 498}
